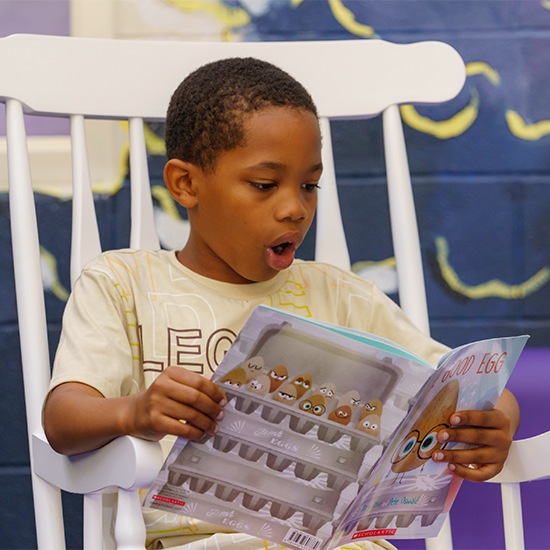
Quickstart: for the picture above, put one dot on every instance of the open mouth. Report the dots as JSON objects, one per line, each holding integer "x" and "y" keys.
{"x": 280, "y": 248}
{"x": 281, "y": 254}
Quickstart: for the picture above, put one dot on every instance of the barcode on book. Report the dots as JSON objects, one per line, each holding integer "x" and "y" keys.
{"x": 302, "y": 540}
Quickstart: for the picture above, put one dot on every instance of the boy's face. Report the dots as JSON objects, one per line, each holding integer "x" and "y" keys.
{"x": 249, "y": 215}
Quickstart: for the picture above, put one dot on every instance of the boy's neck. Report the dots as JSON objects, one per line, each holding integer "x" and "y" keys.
{"x": 210, "y": 268}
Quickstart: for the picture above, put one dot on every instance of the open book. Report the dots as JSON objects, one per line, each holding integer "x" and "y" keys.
{"x": 328, "y": 434}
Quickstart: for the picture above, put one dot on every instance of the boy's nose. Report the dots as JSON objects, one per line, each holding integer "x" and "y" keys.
{"x": 292, "y": 207}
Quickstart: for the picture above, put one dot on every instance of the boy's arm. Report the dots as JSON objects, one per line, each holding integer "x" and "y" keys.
{"x": 77, "y": 418}
{"x": 490, "y": 431}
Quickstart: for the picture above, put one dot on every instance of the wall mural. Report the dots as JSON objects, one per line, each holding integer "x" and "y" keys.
{"x": 479, "y": 162}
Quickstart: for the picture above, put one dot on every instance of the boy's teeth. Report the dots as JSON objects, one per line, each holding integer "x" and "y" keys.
{"x": 279, "y": 249}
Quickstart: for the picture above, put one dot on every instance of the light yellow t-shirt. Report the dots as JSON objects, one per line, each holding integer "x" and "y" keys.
{"x": 133, "y": 313}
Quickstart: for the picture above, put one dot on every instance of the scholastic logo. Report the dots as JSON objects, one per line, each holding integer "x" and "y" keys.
{"x": 170, "y": 500}
{"x": 374, "y": 533}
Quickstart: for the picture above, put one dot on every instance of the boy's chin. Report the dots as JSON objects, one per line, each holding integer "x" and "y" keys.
{"x": 258, "y": 276}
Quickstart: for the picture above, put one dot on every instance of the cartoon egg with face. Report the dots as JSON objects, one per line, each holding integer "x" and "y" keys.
{"x": 253, "y": 367}
{"x": 352, "y": 399}
{"x": 374, "y": 406}
{"x": 315, "y": 404}
{"x": 259, "y": 385}
{"x": 235, "y": 378}
{"x": 341, "y": 415}
{"x": 421, "y": 440}
{"x": 277, "y": 376}
{"x": 328, "y": 391}
{"x": 285, "y": 394}
{"x": 369, "y": 421}
{"x": 302, "y": 383}
{"x": 369, "y": 424}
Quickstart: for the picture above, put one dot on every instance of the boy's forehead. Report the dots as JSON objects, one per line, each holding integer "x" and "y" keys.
{"x": 277, "y": 121}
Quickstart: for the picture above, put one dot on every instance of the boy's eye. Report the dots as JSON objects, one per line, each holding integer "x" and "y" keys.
{"x": 262, "y": 186}
{"x": 311, "y": 186}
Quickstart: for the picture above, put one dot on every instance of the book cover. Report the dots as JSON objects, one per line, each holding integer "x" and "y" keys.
{"x": 328, "y": 433}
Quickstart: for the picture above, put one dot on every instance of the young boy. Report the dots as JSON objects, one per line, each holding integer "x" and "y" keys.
{"x": 244, "y": 150}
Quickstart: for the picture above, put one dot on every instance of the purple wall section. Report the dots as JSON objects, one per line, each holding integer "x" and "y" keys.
{"x": 36, "y": 17}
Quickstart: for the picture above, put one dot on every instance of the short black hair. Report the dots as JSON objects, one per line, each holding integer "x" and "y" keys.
{"x": 207, "y": 111}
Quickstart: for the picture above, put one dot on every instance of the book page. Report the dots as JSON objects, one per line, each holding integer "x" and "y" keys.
{"x": 408, "y": 495}
{"x": 310, "y": 411}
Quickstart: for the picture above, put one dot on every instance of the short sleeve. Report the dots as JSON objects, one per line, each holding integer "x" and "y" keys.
{"x": 94, "y": 348}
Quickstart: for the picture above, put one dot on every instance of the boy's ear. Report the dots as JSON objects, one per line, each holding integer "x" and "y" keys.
{"x": 179, "y": 178}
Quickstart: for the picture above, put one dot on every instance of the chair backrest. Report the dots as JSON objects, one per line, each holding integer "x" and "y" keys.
{"x": 133, "y": 80}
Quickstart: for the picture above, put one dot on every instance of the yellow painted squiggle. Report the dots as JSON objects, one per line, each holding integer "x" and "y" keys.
{"x": 56, "y": 287}
{"x": 479, "y": 67}
{"x": 490, "y": 289}
{"x": 346, "y": 18}
{"x": 154, "y": 144}
{"x": 530, "y": 132}
{"x": 443, "y": 129}
{"x": 358, "y": 266}
{"x": 166, "y": 201}
{"x": 232, "y": 17}
{"x": 545, "y": 4}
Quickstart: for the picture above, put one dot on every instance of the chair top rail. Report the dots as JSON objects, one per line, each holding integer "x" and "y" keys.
{"x": 139, "y": 76}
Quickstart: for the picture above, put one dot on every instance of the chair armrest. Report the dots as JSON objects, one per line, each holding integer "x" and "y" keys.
{"x": 527, "y": 461}
{"x": 126, "y": 462}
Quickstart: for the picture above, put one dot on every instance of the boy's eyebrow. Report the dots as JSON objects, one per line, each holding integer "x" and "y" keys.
{"x": 277, "y": 166}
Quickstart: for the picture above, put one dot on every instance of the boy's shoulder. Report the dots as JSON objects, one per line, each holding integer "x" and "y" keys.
{"x": 130, "y": 266}
{"x": 130, "y": 256}
{"x": 330, "y": 274}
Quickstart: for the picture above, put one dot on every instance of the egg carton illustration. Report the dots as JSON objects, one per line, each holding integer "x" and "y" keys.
{"x": 252, "y": 438}
{"x": 200, "y": 468}
{"x": 290, "y": 375}
{"x": 419, "y": 497}
{"x": 299, "y": 421}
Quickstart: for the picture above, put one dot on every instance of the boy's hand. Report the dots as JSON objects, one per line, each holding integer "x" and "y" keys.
{"x": 178, "y": 402}
{"x": 488, "y": 431}
{"x": 78, "y": 418}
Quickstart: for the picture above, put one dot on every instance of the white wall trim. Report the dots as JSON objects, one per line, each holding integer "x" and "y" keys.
{"x": 51, "y": 165}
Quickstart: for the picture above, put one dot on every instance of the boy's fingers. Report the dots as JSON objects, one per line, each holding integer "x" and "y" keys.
{"x": 197, "y": 381}
{"x": 193, "y": 399}
{"x": 494, "y": 418}
{"x": 190, "y": 416}
{"x": 478, "y": 474}
{"x": 481, "y": 455}
{"x": 476, "y": 436}
{"x": 182, "y": 429}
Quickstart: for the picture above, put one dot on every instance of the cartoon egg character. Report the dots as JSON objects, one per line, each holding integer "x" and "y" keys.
{"x": 369, "y": 424}
{"x": 328, "y": 391}
{"x": 235, "y": 378}
{"x": 259, "y": 385}
{"x": 341, "y": 415}
{"x": 421, "y": 440}
{"x": 374, "y": 406}
{"x": 369, "y": 421}
{"x": 277, "y": 376}
{"x": 352, "y": 399}
{"x": 315, "y": 404}
{"x": 253, "y": 367}
{"x": 285, "y": 394}
{"x": 302, "y": 383}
